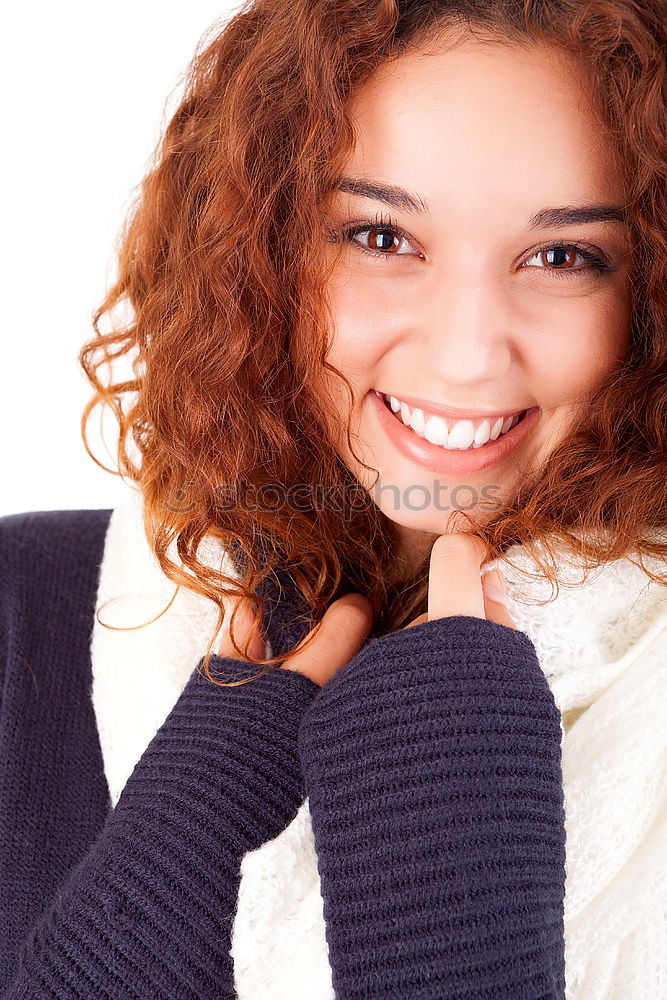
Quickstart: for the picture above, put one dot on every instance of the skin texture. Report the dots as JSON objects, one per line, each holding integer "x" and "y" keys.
{"x": 465, "y": 311}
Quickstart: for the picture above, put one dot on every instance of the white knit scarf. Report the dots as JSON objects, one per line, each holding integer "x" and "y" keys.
{"x": 602, "y": 646}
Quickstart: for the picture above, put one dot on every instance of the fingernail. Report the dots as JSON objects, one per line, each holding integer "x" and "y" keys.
{"x": 494, "y": 587}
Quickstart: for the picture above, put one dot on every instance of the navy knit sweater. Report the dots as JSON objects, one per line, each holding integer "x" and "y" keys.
{"x": 431, "y": 762}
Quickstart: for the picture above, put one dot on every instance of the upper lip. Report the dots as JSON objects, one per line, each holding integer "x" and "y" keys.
{"x": 450, "y": 411}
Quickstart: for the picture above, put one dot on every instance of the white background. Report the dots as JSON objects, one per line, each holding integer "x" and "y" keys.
{"x": 85, "y": 88}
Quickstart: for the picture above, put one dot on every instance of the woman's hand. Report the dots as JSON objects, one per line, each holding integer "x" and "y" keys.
{"x": 455, "y": 587}
{"x": 342, "y": 631}
{"x": 455, "y": 583}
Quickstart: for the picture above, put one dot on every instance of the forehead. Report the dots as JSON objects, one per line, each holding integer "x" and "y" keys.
{"x": 485, "y": 119}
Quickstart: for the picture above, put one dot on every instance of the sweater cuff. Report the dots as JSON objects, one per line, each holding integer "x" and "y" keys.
{"x": 432, "y": 767}
{"x": 454, "y": 650}
{"x": 218, "y": 737}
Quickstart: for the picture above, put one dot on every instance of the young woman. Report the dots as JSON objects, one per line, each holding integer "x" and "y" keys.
{"x": 398, "y": 301}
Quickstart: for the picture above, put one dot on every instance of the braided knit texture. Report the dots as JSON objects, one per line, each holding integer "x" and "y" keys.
{"x": 432, "y": 766}
{"x": 148, "y": 912}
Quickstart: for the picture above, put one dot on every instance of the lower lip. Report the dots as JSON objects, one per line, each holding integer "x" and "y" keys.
{"x": 440, "y": 460}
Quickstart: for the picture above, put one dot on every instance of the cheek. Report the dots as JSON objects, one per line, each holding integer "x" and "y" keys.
{"x": 576, "y": 344}
{"x": 564, "y": 345}
{"x": 362, "y": 317}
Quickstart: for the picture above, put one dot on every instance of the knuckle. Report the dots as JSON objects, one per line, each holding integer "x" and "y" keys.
{"x": 353, "y": 615}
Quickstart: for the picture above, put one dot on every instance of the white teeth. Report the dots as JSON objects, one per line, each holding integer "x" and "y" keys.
{"x": 418, "y": 421}
{"x": 496, "y": 429}
{"x": 461, "y": 437}
{"x": 435, "y": 430}
{"x": 483, "y": 433}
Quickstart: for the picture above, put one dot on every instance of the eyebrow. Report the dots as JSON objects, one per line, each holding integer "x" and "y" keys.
{"x": 406, "y": 201}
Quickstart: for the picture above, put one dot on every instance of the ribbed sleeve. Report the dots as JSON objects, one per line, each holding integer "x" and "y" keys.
{"x": 432, "y": 764}
{"x": 148, "y": 912}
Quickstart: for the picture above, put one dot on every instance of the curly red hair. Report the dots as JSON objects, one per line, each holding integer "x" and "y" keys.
{"x": 220, "y": 264}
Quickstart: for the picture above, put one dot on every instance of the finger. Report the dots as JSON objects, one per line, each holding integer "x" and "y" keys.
{"x": 340, "y": 636}
{"x": 241, "y": 623}
{"x": 454, "y": 585}
{"x": 418, "y": 621}
{"x": 494, "y": 589}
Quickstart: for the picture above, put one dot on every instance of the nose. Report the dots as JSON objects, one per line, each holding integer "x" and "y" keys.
{"x": 466, "y": 336}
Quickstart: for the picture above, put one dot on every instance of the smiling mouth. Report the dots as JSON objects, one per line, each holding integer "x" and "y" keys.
{"x": 452, "y": 434}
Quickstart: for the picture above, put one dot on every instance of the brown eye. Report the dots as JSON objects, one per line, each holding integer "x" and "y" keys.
{"x": 562, "y": 258}
{"x": 559, "y": 260}
{"x": 382, "y": 240}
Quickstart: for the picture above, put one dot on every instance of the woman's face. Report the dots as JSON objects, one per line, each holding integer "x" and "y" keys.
{"x": 463, "y": 306}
